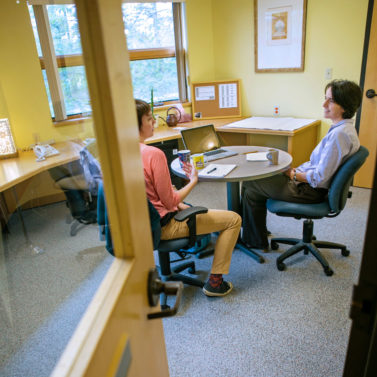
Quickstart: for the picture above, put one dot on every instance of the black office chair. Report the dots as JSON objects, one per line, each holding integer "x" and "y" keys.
{"x": 330, "y": 207}
{"x": 81, "y": 202}
{"x": 164, "y": 247}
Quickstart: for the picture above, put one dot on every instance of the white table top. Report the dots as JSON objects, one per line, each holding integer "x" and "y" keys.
{"x": 245, "y": 170}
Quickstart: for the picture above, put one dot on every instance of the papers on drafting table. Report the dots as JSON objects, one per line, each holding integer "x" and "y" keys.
{"x": 216, "y": 170}
{"x": 257, "y": 156}
{"x": 266, "y": 123}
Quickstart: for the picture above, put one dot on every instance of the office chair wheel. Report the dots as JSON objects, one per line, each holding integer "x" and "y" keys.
{"x": 345, "y": 252}
{"x": 314, "y": 238}
{"x": 191, "y": 270}
{"x": 328, "y": 271}
{"x": 280, "y": 266}
{"x": 274, "y": 245}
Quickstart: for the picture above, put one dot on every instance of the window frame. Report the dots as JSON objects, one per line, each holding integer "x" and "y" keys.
{"x": 52, "y": 62}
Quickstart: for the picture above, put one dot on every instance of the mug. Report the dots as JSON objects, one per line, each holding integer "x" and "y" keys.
{"x": 273, "y": 156}
{"x": 198, "y": 161}
{"x": 184, "y": 157}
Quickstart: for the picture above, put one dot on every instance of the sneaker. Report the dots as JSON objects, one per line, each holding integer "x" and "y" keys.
{"x": 222, "y": 290}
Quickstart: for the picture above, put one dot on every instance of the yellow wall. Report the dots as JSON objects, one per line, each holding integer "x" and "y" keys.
{"x": 334, "y": 38}
{"x": 200, "y": 39}
{"x": 23, "y": 97}
{"x": 220, "y": 46}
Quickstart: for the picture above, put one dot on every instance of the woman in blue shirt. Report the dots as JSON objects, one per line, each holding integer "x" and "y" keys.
{"x": 308, "y": 183}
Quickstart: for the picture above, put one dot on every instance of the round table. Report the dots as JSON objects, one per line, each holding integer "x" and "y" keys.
{"x": 245, "y": 171}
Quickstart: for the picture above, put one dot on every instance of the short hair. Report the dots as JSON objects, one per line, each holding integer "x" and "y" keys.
{"x": 142, "y": 108}
{"x": 346, "y": 94}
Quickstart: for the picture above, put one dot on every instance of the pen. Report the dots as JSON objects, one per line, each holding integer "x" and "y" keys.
{"x": 250, "y": 152}
{"x": 212, "y": 170}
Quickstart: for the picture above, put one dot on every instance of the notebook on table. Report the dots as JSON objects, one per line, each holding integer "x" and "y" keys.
{"x": 204, "y": 140}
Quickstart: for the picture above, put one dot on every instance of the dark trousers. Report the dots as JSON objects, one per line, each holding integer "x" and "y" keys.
{"x": 254, "y": 197}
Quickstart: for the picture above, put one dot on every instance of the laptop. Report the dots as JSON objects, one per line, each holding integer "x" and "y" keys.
{"x": 204, "y": 140}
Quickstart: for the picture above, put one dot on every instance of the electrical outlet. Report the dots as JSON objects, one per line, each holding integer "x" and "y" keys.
{"x": 276, "y": 110}
{"x": 328, "y": 73}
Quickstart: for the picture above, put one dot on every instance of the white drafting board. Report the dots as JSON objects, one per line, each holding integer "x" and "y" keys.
{"x": 269, "y": 123}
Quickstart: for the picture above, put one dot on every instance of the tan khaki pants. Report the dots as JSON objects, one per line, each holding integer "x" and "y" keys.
{"x": 228, "y": 223}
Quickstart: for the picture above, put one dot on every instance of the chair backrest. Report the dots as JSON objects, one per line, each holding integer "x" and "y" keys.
{"x": 91, "y": 166}
{"x": 338, "y": 191}
{"x": 103, "y": 221}
{"x": 155, "y": 224}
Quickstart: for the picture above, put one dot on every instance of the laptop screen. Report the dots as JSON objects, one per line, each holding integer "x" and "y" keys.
{"x": 200, "y": 139}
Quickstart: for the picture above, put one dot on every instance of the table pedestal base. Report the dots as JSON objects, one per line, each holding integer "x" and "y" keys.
{"x": 234, "y": 204}
{"x": 250, "y": 252}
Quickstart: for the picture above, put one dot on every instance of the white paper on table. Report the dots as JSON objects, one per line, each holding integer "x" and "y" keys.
{"x": 216, "y": 170}
{"x": 258, "y": 156}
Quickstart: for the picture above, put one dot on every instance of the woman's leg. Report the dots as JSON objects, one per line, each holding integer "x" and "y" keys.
{"x": 228, "y": 223}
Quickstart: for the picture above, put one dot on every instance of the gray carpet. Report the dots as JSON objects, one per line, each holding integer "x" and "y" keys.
{"x": 291, "y": 323}
{"x": 287, "y": 324}
{"x": 48, "y": 293}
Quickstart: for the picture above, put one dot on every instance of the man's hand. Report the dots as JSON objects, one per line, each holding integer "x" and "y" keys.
{"x": 290, "y": 173}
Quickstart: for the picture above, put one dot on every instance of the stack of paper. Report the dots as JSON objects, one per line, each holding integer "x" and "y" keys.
{"x": 216, "y": 170}
{"x": 258, "y": 156}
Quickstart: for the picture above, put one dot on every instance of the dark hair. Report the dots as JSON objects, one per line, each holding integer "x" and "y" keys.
{"x": 346, "y": 94}
{"x": 142, "y": 108}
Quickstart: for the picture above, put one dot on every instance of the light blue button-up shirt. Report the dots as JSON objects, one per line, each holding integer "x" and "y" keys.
{"x": 340, "y": 142}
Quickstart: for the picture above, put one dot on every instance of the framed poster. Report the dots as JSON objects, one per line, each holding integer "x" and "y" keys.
{"x": 279, "y": 31}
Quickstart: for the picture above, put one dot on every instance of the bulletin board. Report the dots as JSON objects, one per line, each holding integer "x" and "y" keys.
{"x": 216, "y": 99}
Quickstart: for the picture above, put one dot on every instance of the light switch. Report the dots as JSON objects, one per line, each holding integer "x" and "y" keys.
{"x": 328, "y": 73}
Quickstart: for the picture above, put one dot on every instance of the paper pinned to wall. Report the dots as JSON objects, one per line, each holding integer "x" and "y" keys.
{"x": 227, "y": 96}
{"x": 204, "y": 93}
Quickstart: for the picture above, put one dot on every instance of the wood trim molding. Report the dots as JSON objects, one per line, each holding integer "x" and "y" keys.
{"x": 141, "y": 54}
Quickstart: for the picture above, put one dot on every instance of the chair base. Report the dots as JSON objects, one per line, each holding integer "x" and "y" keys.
{"x": 169, "y": 273}
{"x": 309, "y": 245}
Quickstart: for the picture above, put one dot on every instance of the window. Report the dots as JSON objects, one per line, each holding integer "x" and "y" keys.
{"x": 155, "y": 44}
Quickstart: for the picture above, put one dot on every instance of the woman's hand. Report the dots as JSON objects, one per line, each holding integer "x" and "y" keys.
{"x": 192, "y": 175}
{"x": 181, "y": 206}
{"x": 191, "y": 172}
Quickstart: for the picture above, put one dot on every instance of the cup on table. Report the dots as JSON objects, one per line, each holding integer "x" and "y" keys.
{"x": 198, "y": 161}
{"x": 273, "y": 156}
{"x": 184, "y": 157}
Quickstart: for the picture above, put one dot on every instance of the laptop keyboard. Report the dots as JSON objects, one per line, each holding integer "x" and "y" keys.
{"x": 214, "y": 152}
{"x": 217, "y": 154}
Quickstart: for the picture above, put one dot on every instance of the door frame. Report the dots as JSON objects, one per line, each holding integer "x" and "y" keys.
{"x": 362, "y": 344}
{"x": 114, "y": 335}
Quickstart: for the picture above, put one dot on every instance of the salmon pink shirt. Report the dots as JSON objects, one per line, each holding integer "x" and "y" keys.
{"x": 158, "y": 184}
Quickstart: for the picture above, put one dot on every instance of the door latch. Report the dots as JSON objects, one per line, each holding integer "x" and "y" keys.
{"x": 363, "y": 306}
{"x": 155, "y": 287}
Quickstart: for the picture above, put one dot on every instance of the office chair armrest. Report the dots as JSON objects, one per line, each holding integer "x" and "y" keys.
{"x": 189, "y": 212}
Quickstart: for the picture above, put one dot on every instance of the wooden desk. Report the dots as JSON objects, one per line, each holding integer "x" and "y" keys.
{"x": 19, "y": 171}
{"x": 299, "y": 143}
